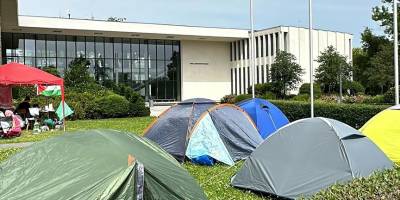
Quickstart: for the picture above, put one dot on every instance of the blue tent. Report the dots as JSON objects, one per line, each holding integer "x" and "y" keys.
{"x": 267, "y": 117}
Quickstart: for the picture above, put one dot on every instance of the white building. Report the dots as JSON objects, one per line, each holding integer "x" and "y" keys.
{"x": 294, "y": 40}
{"x": 162, "y": 62}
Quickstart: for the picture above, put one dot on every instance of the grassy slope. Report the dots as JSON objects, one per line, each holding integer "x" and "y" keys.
{"x": 215, "y": 180}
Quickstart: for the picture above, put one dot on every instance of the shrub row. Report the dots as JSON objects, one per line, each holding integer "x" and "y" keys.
{"x": 354, "y": 115}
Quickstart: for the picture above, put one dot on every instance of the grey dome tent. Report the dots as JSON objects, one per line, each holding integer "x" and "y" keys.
{"x": 308, "y": 155}
{"x": 98, "y": 164}
{"x": 199, "y": 127}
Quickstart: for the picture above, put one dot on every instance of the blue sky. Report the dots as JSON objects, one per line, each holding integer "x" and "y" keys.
{"x": 342, "y": 15}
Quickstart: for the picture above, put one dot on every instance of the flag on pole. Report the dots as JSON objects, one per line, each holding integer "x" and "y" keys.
{"x": 68, "y": 111}
{"x": 51, "y": 90}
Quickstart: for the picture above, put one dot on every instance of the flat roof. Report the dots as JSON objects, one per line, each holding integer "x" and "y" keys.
{"x": 54, "y": 25}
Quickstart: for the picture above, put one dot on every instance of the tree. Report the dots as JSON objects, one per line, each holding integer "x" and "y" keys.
{"x": 51, "y": 70}
{"x": 285, "y": 73}
{"x": 77, "y": 74}
{"x": 384, "y": 16}
{"x": 333, "y": 67}
{"x": 381, "y": 75}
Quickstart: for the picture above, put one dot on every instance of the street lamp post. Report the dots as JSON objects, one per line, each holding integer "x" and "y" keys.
{"x": 396, "y": 52}
{"x": 310, "y": 29}
{"x": 252, "y": 57}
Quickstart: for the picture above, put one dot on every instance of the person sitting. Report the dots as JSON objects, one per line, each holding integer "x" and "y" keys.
{"x": 15, "y": 130}
{"x": 23, "y": 107}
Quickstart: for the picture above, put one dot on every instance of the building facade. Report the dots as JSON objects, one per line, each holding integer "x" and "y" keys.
{"x": 269, "y": 42}
{"x": 162, "y": 62}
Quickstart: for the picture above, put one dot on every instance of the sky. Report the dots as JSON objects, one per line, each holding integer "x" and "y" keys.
{"x": 351, "y": 16}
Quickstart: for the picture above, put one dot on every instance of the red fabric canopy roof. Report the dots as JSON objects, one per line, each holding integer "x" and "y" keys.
{"x": 19, "y": 74}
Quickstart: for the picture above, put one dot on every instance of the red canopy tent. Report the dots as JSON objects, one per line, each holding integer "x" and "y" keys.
{"x": 16, "y": 74}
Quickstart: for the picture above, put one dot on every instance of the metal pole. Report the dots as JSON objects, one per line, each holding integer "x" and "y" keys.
{"x": 396, "y": 53}
{"x": 252, "y": 57}
{"x": 310, "y": 29}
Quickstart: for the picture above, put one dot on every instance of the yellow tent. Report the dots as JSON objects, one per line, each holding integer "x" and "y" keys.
{"x": 384, "y": 130}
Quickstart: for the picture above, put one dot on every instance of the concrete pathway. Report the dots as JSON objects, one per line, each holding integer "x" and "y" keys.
{"x": 15, "y": 145}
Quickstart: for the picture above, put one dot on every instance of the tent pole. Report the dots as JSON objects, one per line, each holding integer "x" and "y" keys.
{"x": 63, "y": 106}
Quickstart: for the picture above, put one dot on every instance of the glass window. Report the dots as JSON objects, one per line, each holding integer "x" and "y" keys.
{"x": 41, "y": 62}
{"x": 51, "y": 46}
{"x": 61, "y": 65}
{"x": 109, "y": 49}
{"x": 160, "y": 50}
{"x": 168, "y": 50}
{"x": 152, "y": 49}
{"x": 143, "y": 49}
{"x": 127, "y": 72}
{"x": 18, "y": 44}
{"x": 90, "y": 47}
{"x": 135, "y": 70}
{"x": 61, "y": 48}
{"x": 109, "y": 69}
{"x": 99, "y": 69}
{"x": 71, "y": 47}
{"x": 126, "y": 49}
{"x": 30, "y": 61}
{"x": 144, "y": 70}
{"x": 51, "y": 62}
{"x": 117, "y": 48}
{"x": 41, "y": 46}
{"x": 135, "y": 49}
{"x": 80, "y": 46}
{"x": 7, "y": 44}
{"x": 30, "y": 45}
{"x": 99, "y": 45}
{"x": 118, "y": 76}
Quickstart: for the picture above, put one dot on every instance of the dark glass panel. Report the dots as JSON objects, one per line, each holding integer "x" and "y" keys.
{"x": 90, "y": 53}
{"x": 117, "y": 48}
{"x": 109, "y": 49}
{"x": 7, "y": 44}
{"x": 100, "y": 73}
{"x": 51, "y": 62}
{"x": 118, "y": 70}
{"x": 80, "y": 46}
{"x": 71, "y": 47}
{"x": 18, "y": 44}
{"x": 40, "y": 46}
{"x": 109, "y": 69}
{"x": 30, "y": 61}
{"x": 41, "y": 62}
{"x": 126, "y": 48}
{"x": 153, "y": 78}
{"x": 61, "y": 47}
{"x": 135, "y": 48}
{"x": 51, "y": 46}
{"x": 168, "y": 50}
{"x": 30, "y": 45}
{"x": 61, "y": 66}
{"x": 127, "y": 72}
{"x": 152, "y": 49}
{"x": 99, "y": 45}
{"x": 160, "y": 50}
{"x": 143, "y": 49}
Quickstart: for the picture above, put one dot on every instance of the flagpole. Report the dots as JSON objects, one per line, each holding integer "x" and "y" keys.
{"x": 396, "y": 53}
{"x": 311, "y": 57}
{"x": 252, "y": 60}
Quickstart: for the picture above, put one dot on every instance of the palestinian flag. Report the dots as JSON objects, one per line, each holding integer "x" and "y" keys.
{"x": 51, "y": 90}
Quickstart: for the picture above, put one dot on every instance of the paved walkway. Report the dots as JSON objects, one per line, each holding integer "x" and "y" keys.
{"x": 15, "y": 145}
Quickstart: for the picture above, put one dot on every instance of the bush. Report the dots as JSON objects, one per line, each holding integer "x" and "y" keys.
{"x": 301, "y": 97}
{"x": 269, "y": 96}
{"x": 378, "y": 99}
{"x": 111, "y": 106}
{"x": 137, "y": 107}
{"x": 260, "y": 89}
{"x": 354, "y": 87}
{"x": 381, "y": 185}
{"x": 305, "y": 89}
{"x": 230, "y": 98}
{"x": 389, "y": 96}
{"x": 242, "y": 97}
{"x": 354, "y": 115}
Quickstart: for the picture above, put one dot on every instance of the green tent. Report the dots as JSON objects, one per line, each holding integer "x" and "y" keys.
{"x": 96, "y": 164}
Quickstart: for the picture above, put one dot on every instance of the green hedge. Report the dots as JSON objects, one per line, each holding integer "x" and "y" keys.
{"x": 381, "y": 185}
{"x": 111, "y": 106}
{"x": 354, "y": 115}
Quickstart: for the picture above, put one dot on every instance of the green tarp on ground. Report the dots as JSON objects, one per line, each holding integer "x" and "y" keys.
{"x": 94, "y": 165}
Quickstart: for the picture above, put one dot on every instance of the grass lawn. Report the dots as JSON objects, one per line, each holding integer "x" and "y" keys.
{"x": 216, "y": 180}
